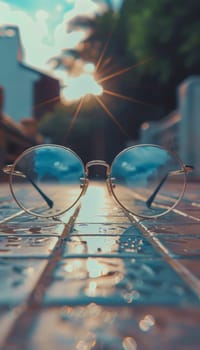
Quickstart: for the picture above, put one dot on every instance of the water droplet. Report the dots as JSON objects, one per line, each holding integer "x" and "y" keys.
{"x": 17, "y": 283}
{"x": 129, "y": 343}
{"x": 102, "y": 230}
{"x": 147, "y": 323}
{"x": 18, "y": 269}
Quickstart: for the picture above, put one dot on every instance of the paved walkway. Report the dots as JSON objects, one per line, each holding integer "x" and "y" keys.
{"x": 100, "y": 280}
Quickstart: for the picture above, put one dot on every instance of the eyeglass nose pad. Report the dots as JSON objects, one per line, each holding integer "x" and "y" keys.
{"x": 112, "y": 180}
{"x": 111, "y": 184}
{"x": 83, "y": 184}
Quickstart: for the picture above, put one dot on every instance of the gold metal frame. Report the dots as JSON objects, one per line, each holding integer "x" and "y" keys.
{"x": 10, "y": 170}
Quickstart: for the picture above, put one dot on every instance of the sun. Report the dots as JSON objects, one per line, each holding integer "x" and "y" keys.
{"x": 86, "y": 83}
{"x": 90, "y": 86}
{"x": 79, "y": 87}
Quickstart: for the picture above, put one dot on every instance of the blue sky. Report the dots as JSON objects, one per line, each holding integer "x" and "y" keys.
{"x": 42, "y": 24}
{"x": 31, "y": 5}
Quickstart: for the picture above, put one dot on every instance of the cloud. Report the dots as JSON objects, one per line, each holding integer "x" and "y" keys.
{"x": 86, "y": 7}
{"x": 35, "y": 30}
{"x": 44, "y": 35}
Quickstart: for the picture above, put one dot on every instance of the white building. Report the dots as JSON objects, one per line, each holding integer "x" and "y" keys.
{"x": 179, "y": 131}
{"x": 20, "y": 82}
{"x": 189, "y": 131}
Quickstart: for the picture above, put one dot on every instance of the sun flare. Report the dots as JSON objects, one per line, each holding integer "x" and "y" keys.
{"x": 81, "y": 86}
{"x": 76, "y": 87}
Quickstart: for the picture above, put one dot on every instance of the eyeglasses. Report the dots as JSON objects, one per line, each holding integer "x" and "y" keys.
{"x": 145, "y": 180}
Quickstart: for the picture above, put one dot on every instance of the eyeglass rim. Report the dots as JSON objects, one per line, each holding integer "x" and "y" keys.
{"x": 182, "y": 165}
{"x": 109, "y": 176}
{"x": 83, "y": 188}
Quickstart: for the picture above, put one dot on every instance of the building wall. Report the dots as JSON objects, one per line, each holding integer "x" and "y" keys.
{"x": 14, "y": 77}
{"x": 189, "y": 109}
{"x": 180, "y": 130}
{"x": 162, "y": 132}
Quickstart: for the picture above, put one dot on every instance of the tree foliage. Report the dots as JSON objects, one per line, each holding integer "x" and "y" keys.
{"x": 159, "y": 37}
{"x": 169, "y": 32}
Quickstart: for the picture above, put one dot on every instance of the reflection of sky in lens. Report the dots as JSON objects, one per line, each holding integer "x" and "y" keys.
{"x": 60, "y": 164}
{"x": 140, "y": 163}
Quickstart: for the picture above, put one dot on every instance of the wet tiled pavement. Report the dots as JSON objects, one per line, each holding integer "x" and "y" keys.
{"x": 99, "y": 279}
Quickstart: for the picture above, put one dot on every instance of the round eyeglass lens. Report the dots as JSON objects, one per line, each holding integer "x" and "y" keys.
{"x": 147, "y": 180}
{"x": 46, "y": 180}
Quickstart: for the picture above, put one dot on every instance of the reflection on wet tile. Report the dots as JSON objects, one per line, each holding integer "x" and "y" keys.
{"x": 102, "y": 228}
{"x": 106, "y": 262}
{"x": 90, "y": 245}
{"x": 117, "y": 281}
{"x": 112, "y": 240}
{"x": 18, "y": 277}
{"x": 109, "y": 245}
{"x": 20, "y": 246}
{"x": 98, "y": 219}
{"x": 98, "y": 327}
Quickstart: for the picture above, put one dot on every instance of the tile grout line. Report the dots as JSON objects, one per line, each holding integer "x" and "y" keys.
{"x": 191, "y": 281}
{"x": 23, "y": 322}
{"x": 8, "y": 218}
{"x": 34, "y": 300}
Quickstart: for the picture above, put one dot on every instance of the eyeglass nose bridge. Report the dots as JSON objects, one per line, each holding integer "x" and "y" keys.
{"x": 108, "y": 170}
{"x": 97, "y": 162}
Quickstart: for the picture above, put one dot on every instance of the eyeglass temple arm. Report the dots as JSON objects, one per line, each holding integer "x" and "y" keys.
{"x": 187, "y": 169}
{"x": 8, "y": 170}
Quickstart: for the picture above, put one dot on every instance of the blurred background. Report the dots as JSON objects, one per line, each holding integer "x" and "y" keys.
{"x": 100, "y": 75}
